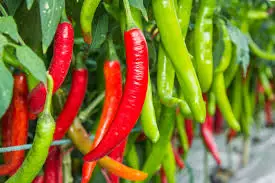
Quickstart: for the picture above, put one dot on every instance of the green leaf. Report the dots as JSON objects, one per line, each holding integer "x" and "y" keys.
{"x": 31, "y": 62}
{"x": 50, "y": 13}
{"x": 100, "y": 31}
{"x": 241, "y": 43}
{"x": 29, "y": 4}
{"x": 8, "y": 26}
{"x": 12, "y": 5}
{"x": 139, "y": 5}
{"x": 3, "y": 42}
{"x": 6, "y": 87}
{"x": 218, "y": 49}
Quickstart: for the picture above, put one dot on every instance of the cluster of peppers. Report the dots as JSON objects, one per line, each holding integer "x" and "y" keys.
{"x": 187, "y": 88}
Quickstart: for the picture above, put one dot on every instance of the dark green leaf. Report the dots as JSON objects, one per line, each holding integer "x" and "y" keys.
{"x": 50, "y": 13}
{"x": 9, "y": 27}
{"x": 100, "y": 31}
{"x": 29, "y": 4}
{"x": 31, "y": 62}
{"x": 139, "y": 5}
{"x": 12, "y": 5}
{"x": 218, "y": 49}
{"x": 6, "y": 86}
{"x": 241, "y": 43}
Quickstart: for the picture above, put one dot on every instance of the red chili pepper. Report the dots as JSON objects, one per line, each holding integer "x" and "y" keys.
{"x": 231, "y": 134}
{"x": 268, "y": 113}
{"x": 189, "y": 131}
{"x": 117, "y": 154}
{"x": 62, "y": 56}
{"x": 52, "y": 166}
{"x": 19, "y": 125}
{"x": 113, "y": 94}
{"x": 38, "y": 179}
{"x": 133, "y": 96}
{"x": 73, "y": 103}
{"x": 178, "y": 159}
{"x": 218, "y": 123}
{"x": 6, "y": 132}
{"x": 163, "y": 177}
{"x": 208, "y": 138}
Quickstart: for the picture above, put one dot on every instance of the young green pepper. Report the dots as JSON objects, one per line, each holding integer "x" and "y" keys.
{"x": 169, "y": 164}
{"x": 203, "y": 43}
{"x": 174, "y": 45}
{"x": 184, "y": 12}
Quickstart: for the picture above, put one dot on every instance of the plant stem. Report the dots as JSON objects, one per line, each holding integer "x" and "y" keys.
{"x": 129, "y": 17}
{"x": 246, "y": 148}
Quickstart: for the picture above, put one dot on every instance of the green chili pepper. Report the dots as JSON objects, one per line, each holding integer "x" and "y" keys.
{"x": 184, "y": 12}
{"x": 131, "y": 152}
{"x": 174, "y": 45}
{"x": 148, "y": 116}
{"x": 226, "y": 55}
{"x": 232, "y": 69}
{"x": 203, "y": 43}
{"x": 86, "y": 17}
{"x": 169, "y": 164}
{"x": 156, "y": 101}
{"x": 166, "y": 79}
{"x": 236, "y": 95}
{"x": 211, "y": 104}
{"x": 182, "y": 133}
{"x": 37, "y": 155}
{"x": 166, "y": 126}
{"x": 223, "y": 102}
{"x": 184, "y": 108}
{"x": 265, "y": 82}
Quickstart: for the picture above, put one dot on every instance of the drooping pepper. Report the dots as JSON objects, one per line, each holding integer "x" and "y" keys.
{"x": 169, "y": 164}
{"x": 174, "y": 45}
{"x": 37, "y": 155}
{"x": 15, "y": 125}
{"x": 184, "y": 12}
{"x": 58, "y": 69}
{"x": 218, "y": 122}
{"x": 52, "y": 166}
{"x": 203, "y": 43}
{"x": 134, "y": 91}
{"x": 182, "y": 132}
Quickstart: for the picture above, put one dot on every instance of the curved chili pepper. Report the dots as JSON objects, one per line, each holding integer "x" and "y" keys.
{"x": 223, "y": 102}
{"x": 218, "y": 122}
{"x": 166, "y": 126}
{"x": 172, "y": 39}
{"x": 184, "y": 13}
{"x": 184, "y": 108}
{"x": 182, "y": 132}
{"x": 169, "y": 164}
{"x": 165, "y": 79}
{"x": 148, "y": 116}
{"x": 17, "y": 126}
{"x": 38, "y": 179}
{"x": 189, "y": 131}
{"x": 208, "y": 138}
{"x": 268, "y": 113}
{"x": 37, "y": 155}
{"x": 266, "y": 84}
{"x": 86, "y": 17}
{"x": 163, "y": 177}
{"x": 236, "y": 95}
{"x": 133, "y": 95}
{"x": 203, "y": 43}
{"x": 117, "y": 154}
{"x": 73, "y": 102}
{"x": 232, "y": 69}
{"x": 211, "y": 105}
{"x": 178, "y": 159}
{"x": 113, "y": 88}
{"x": 226, "y": 55}
{"x": 81, "y": 140}
{"x": 52, "y": 166}
{"x": 58, "y": 69}
{"x": 132, "y": 155}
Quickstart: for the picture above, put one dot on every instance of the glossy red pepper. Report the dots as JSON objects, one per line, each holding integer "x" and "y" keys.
{"x": 19, "y": 125}
{"x": 218, "y": 122}
{"x": 208, "y": 138}
{"x": 178, "y": 159}
{"x": 117, "y": 154}
{"x": 6, "y": 131}
{"x": 133, "y": 94}
{"x": 73, "y": 102}
{"x": 38, "y": 179}
{"x": 268, "y": 113}
{"x": 163, "y": 177}
{"x": 58, "y": 69}
{"x": 52, "y": 166}
{"x": 189, "y": 131}
{"x": 113, "y": 94}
